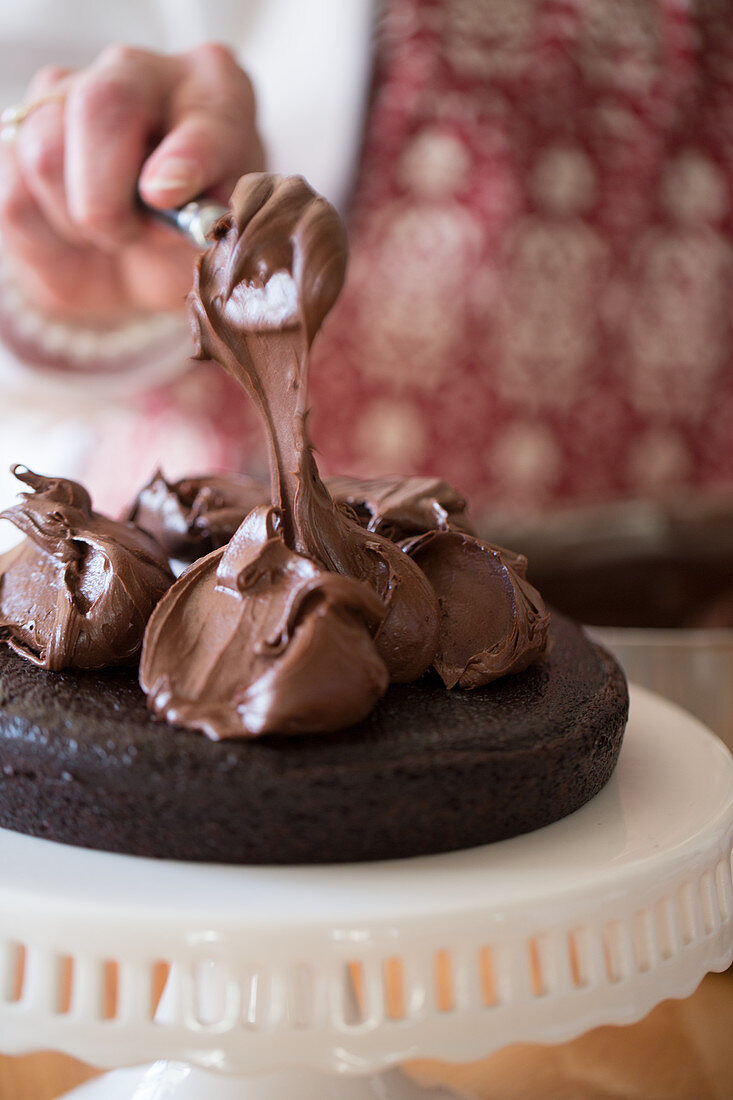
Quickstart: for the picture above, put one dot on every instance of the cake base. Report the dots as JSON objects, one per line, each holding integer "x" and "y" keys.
{"x": 430, "y": 770}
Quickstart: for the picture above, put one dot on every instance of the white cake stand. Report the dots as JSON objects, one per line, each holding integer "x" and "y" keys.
{"x": 320, "y": 979}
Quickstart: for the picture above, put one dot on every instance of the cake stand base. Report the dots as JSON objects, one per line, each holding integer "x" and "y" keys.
{"x": 177, "y": 1081}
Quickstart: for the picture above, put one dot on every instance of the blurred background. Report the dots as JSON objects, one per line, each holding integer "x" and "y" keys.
{"x": 539, "y": 200}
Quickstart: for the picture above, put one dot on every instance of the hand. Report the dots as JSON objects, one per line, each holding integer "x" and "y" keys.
{"x": 180, "y": 125}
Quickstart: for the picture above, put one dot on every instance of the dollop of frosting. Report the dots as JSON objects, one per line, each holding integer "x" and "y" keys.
{"x": 80, "y": 588}
{"x": 398, "y": 507}
{"x": 255, "y": 638}
{"x": 195, "y": 515}
{"x": 492, "y": 621}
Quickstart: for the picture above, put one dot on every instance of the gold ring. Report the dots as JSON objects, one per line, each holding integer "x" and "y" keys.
{"x": 13, "y": 117}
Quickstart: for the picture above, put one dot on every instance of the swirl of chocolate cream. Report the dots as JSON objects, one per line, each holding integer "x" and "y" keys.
{"x": 398, "y": 507}
{"x": 195, "y": 515}
{"x": 273, "y": 643}
{"x": 480, "y": 640}
{"x": 79, "y": 590}
{"x": 260, "y": 295}
{"x": 492, "y": 621}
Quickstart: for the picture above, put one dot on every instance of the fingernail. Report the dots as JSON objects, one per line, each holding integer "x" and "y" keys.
{"x": 174, "y": 174}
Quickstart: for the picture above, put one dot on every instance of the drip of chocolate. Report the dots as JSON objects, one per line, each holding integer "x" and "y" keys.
{"x": 259, "y": 297}
{"x": 193, "y": 516}
{"x": 275, "y": 633}
{"x": 79, "y": 590}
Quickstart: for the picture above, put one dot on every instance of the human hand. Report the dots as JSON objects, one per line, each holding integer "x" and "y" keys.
{"x": 178, "y": 126}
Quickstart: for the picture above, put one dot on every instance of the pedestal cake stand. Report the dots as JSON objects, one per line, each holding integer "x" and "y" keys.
{"x": 316, "y": 982}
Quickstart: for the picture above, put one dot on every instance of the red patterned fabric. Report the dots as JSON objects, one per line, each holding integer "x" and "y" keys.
{"x": 539, "y": 300}
{"x": 538, "y": 304}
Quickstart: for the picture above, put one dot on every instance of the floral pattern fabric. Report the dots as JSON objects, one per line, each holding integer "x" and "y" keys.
{"x": 540, "y": 292}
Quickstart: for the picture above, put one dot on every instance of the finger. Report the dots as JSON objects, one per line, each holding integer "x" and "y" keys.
{"x": 53, "y": 78}
{"x": 113, "y": 110}
{"x": 44, "y": 264}
{"x": 157, "y": 278}
{"x": 25, "y": 231}
{"x": 40, "y": 148}
{"x": 213, "y": 139}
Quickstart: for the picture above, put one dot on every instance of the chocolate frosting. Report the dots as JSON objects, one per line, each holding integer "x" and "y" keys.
{"x": 78, "y": 591}
{"x": 398, "y": 507}
{"x": 492, "y": 621}
{"x": 259, "y": 297}
{"x": 255, "y": 638}
{"x": 195, "y": 515}
{"x": 276, "y": 633}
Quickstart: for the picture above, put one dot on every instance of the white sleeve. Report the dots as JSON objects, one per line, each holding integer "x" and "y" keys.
{"x": 40, "y": 357}
{"x": 310, "y": 64}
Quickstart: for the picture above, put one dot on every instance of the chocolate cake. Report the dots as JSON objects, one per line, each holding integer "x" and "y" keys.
{"x": 429, "y": 770}
{"x": 348, "y": 673}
